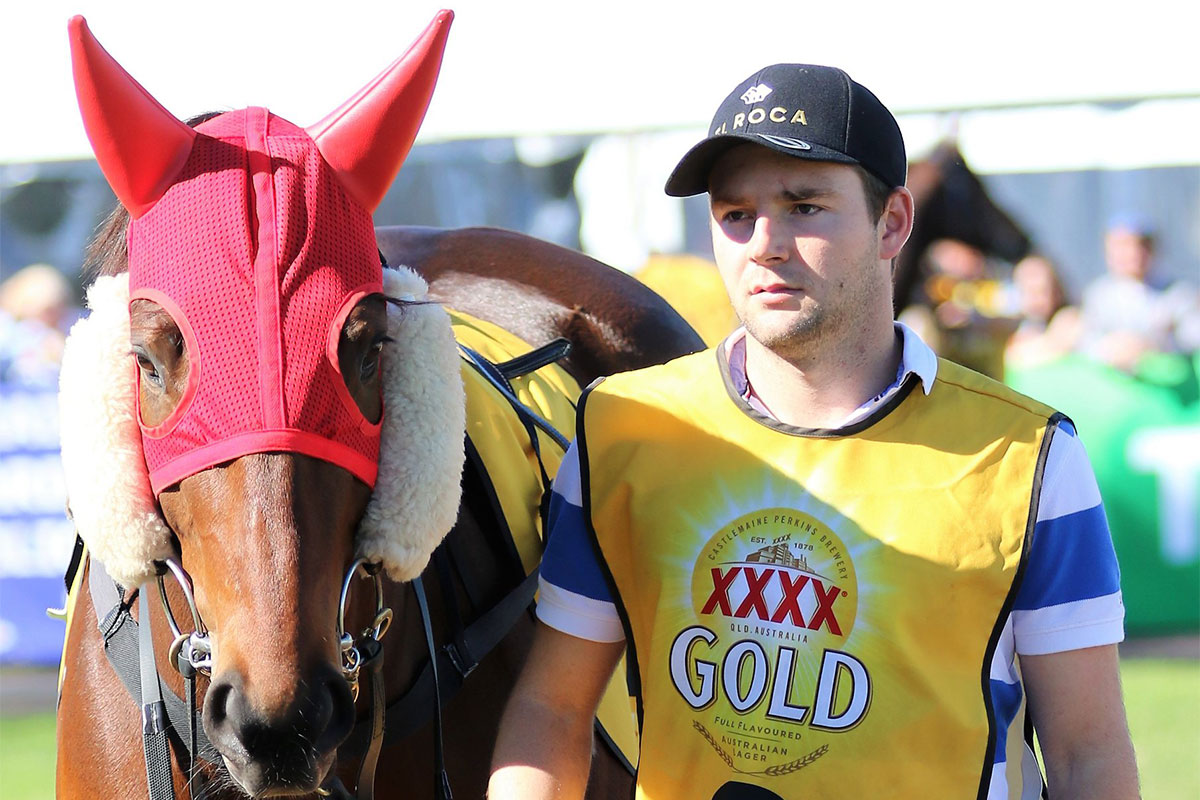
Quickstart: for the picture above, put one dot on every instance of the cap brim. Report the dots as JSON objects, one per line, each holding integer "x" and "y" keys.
{"x": 690, "y": 176}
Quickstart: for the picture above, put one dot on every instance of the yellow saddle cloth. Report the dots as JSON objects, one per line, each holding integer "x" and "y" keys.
{"x": 504, "y": 446}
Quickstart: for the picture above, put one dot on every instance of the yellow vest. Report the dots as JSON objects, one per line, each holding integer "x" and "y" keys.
{"x": 809, "y": 612}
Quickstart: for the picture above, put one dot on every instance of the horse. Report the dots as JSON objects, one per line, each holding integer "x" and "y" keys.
{"x": 266, "y": 547}
{"x": 951, "y": 203}
{"x": 536, "y": 289}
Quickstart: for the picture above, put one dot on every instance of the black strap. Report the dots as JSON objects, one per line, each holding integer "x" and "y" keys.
{"x": 441, "y": 781}
{"x": 534, "y": 360}
{"x": 454, "y": 618}
{"x": 154, "y": 711}
{"x": 482, "y": 636}
{"x": 531, "y": 420}
{"x": 372, "y": 664}
{"x": 527, "y": 416}
{"x": 76, "y": 561}
{"x": 411, "y": 710}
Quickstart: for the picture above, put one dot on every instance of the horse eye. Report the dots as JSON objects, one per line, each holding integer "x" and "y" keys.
{"x": 149, "y": 371}
{"x": 370, "y": 362}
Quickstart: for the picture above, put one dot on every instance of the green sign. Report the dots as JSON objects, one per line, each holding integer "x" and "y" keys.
{"x": 1143, "y": 436}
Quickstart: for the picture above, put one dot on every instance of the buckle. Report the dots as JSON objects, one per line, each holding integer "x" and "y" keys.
{"x": 463, "y": 663}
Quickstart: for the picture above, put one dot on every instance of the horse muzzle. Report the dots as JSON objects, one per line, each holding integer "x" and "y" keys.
{"x": 281, "y": 742}
{"x": 288, "y": 751}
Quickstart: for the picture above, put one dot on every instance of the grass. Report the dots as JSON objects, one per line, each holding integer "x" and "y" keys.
{"x": 1162, "y": 701}
{"x": 27, "y": 756}
{"x": 1162, "y": 697}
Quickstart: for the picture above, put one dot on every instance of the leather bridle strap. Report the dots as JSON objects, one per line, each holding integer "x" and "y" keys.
{"x": 372, "y": 664}
{"x": 441, "y": 782}
{"x": 154, "y": 711}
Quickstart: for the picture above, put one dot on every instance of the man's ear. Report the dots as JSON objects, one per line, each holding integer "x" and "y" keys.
{"x": 896, "y": 223}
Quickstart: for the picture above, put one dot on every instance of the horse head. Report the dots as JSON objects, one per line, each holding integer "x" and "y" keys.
{"x": 952, "y": 203}
{"x": 252, "y": 419}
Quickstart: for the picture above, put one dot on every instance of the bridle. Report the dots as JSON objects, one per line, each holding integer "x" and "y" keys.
{"x": 191, "y": 653}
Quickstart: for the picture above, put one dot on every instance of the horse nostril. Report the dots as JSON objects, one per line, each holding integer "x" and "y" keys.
{"x": 217, "y": 702}
{"x": 336, "y": 710}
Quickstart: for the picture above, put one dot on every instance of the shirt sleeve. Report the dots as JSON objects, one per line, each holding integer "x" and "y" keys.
{"x": 1070, "y": 597}
{"x": 573, "y": 594}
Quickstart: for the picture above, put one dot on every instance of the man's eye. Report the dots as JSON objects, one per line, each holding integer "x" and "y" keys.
{"x": 734, "y": 216}
{"x": 805, "y": 209}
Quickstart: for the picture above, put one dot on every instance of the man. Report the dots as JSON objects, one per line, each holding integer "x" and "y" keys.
{"x": 824, "y": 548}
{"x": 1130, "y": 312}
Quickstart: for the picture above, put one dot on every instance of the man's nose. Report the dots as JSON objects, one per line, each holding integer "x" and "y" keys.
{"x": 768, "y": 242}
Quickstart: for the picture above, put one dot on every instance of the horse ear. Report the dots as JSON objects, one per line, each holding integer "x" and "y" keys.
{"x": 367, "y": 138}
{"x": 140, "y": 145}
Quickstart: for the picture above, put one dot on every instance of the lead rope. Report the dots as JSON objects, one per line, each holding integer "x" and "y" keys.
{"x": 371, "y": 651}
{"x": 441, "y": 781}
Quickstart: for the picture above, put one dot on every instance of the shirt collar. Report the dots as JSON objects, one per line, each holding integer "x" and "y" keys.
{"x": 916, "y": 358}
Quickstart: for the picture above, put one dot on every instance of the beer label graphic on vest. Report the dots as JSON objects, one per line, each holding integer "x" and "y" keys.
{"x": 775, "y": 597}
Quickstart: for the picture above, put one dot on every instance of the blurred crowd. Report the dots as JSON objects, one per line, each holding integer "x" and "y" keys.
{"x": 37, "y": 309}
{"x": 996, "y": 318}
{"x": 974, "y": 313}
{"x": 983, "y": 314}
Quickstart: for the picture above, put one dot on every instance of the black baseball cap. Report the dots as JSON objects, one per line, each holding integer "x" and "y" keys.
{"x": 800, "y": 110}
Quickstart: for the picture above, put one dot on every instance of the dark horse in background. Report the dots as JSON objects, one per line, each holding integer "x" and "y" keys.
{"x": 951, "y": 203}
{"x": 267, "y": 536}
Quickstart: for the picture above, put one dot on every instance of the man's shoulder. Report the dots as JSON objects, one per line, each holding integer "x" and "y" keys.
{"x": 659, "y": 378}
{"x": 953, "y": 378}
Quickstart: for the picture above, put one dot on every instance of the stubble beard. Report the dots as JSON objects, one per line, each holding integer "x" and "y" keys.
{"x": 817, "y": 330}
{"x": 799, "y": 340}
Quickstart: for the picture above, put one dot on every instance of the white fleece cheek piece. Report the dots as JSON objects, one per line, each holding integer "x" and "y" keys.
{"x": 108, "y": 487}
{"x": 417, "y": 492}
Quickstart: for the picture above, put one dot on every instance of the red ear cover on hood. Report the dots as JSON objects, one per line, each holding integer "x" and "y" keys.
{"x": 368, "y": 137}
{"x": 140, "y": 145}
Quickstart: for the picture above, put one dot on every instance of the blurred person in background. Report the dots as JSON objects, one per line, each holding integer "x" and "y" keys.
{"x": 693, "y": 287}
{"x": 1049, "y": 327}
{"x": 965, "y": 316}
{"x": 37, "y": 308}
{"x": 1130, "y": 312}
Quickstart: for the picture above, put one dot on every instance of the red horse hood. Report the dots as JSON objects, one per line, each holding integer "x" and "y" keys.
{"x": 256, "y": 236}
{"x": 258, "y": 253}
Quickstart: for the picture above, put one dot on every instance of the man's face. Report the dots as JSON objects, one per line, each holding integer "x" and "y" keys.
{"x": 1128, "y": 254}
{"x": 796, "y": 247}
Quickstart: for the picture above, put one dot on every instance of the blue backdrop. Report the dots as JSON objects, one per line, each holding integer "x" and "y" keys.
{"x": 35, "y": 535}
